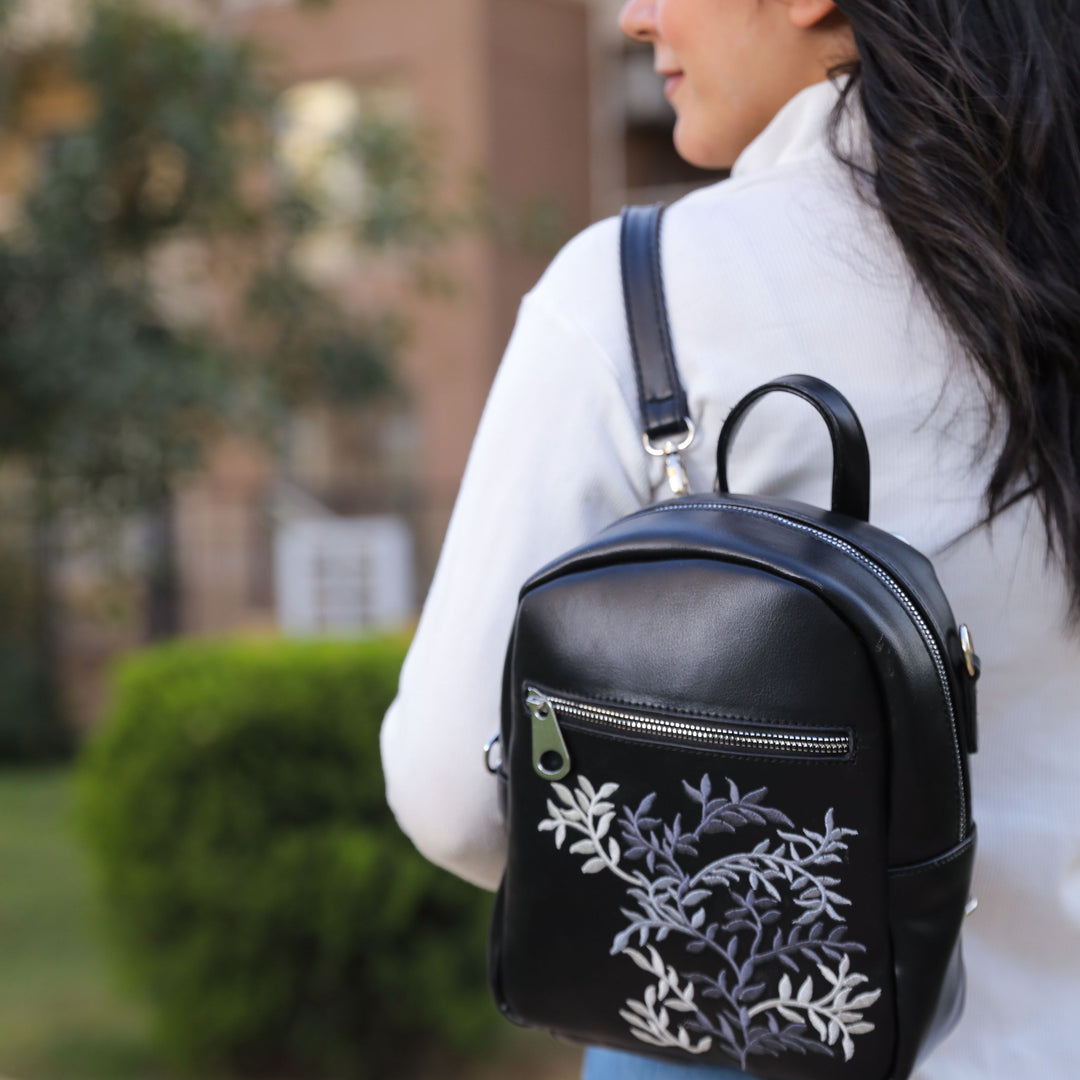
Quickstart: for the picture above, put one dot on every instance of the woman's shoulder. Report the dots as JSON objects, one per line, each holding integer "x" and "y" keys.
{"x": 711, "y": 232}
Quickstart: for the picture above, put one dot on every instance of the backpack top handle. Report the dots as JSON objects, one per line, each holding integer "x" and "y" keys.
{"x": 851, "y": 458}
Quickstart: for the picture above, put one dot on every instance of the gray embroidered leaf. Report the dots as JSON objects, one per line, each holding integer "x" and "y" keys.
{"x": 780, "y": 872}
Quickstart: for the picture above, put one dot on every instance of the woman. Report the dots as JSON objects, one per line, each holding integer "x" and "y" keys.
{"x": 902, "y": 221}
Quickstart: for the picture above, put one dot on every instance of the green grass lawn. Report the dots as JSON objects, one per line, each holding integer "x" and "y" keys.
{"x": 62, "y": 1014}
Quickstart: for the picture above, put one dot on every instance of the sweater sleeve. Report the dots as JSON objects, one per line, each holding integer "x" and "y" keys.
{"x": 557, "y": 456}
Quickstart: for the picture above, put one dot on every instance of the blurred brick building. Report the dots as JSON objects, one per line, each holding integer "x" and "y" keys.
{"x": 556, "y": 116}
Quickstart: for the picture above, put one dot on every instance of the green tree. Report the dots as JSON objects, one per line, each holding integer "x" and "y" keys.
{"x": 106, "y": 396}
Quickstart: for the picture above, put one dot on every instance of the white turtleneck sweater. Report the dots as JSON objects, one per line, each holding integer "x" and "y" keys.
{"x": 781, "y": 268}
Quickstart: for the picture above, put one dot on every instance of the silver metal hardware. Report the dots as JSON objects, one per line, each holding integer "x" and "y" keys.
{"x": 969, "y": 651}
{"x": 551, "y": 759}
{"x": 890, "y": 583}
{"x": 489, "y": 746}
{"x": 714, "y": 733}
{"x": 971, "y": 906}
{"x": 671, "y": 452}
{"x": 677, "y": 479}
{"x": 669, "y": 446}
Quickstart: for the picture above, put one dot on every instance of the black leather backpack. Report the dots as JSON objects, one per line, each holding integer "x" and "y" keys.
{"x": 735, "y": 740}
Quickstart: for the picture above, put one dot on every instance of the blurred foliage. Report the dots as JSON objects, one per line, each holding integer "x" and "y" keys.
{"x": 100, "y": 389}
{"x": 116, "y": 372}
{"x": 261, "y": 894}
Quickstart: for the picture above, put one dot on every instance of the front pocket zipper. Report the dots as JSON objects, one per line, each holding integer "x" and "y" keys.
{"x": 551, "y": 759}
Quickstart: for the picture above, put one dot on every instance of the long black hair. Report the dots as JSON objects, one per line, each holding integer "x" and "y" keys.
{"x": 973, "y": 111}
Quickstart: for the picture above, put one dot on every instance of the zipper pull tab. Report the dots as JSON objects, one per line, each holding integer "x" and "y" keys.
{"x": 551, "y": 760}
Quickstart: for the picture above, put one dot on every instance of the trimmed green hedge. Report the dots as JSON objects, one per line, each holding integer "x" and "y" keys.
{"x": 258, "y": 889}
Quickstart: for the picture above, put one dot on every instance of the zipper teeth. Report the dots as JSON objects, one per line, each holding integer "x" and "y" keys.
{"x": 890, "y": 583}
{"x": 710, "y": 733}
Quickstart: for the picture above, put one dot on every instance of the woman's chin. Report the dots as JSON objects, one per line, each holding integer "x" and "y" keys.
{"x": 695, "y": 148}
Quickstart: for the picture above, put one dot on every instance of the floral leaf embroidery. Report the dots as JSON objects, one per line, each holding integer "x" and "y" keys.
{"x": 735, "y": 1008}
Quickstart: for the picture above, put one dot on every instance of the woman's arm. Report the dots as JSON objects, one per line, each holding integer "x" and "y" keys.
{"x": 556, "y": 458}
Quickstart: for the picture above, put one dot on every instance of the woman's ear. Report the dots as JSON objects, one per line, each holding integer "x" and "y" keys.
{"x": 806, "y": 14}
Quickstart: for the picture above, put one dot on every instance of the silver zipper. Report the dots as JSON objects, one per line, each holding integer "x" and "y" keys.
{"x": 891, "y": 584}
{"x": 552, "y": 760}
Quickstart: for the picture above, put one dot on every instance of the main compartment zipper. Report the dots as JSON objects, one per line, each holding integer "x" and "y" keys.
{"x": 551, "y": 759}
{"x": 892, "y": 585}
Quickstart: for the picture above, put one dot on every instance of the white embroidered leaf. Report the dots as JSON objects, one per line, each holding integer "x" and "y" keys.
{"x": 789, "y": 1014}
{"x": 665, "y": 1020}
{"x": 638, "y": 959}
{"x": 583, "y": 847}
{"x": 784, "y": 989}
{"x": 602, "y": 808}
{"x": 564, "y": 793}
{"x": 560, "y": 835}
{"x": 638, "y": 1008}
{"x": 547, "y": 825}
{"x": 827, "y": 974}
{"x": 819, "y": 1025}
{"x": 583, "y": 801}
{"x": 849, "y": 1047}
{"x": 863, "y": 1028}
{"x": 680, "y": 1006}
{"x": 650, "y": 996}
{"x": 607, "y": 791}
{"x": 605, "y": 824}
{"x": 806, "y": 991}
{"x": 613, "y": 851}
{"x": 834, "y": 1032}
{"x": 583, "y": 783}
{"x": 864, "y": 1001}
{"x": 594, "y": 866}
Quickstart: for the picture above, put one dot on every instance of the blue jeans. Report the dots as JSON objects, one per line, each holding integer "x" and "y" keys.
{"x": 615, "y": 1065}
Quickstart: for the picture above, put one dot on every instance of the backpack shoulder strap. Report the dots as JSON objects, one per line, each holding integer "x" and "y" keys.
{"x": 660, "y": 393}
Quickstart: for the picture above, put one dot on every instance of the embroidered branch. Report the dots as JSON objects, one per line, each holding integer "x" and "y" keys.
{"x": 787, "y": 868}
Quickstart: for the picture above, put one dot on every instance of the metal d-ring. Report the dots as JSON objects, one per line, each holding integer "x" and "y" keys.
{"x": 671, "y": 452}
{"x": 669, "y": 447}
{"x": 490, "y": 746}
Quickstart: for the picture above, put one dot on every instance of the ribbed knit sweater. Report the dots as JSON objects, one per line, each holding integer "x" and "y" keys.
{"x": 783, "y": 267}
